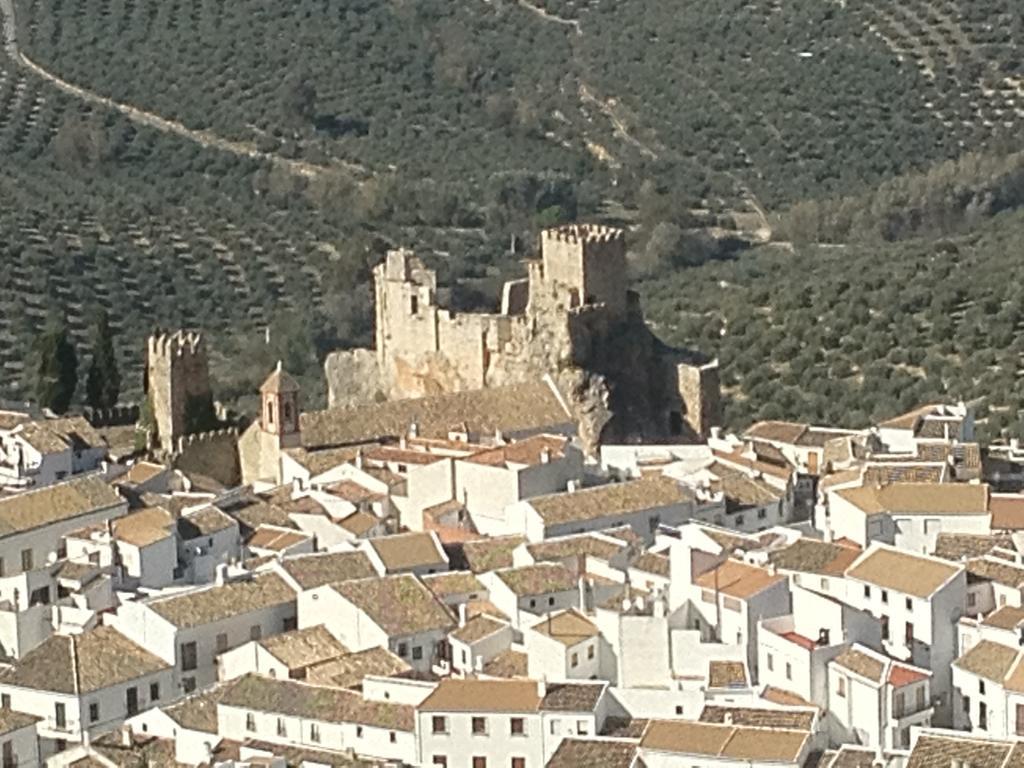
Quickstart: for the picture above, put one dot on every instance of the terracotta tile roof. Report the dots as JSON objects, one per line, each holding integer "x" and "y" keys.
{"x": 887, "y": 474}
{"x": 572, "y": 697}
{"x": 142, "y": 471}
{"x": 348, "y": 671}
{"x": 11, "y": 419}
{"x": 737, "y": 457}
{"x": 939, "y": 751}
{"x": 726, "y": 674}
{"x": 900, "y": 675}
{"x": 276, "y": 539}
{"x": 725, "y": 741}
{"x": 353, "y": 492}
{"x": 956, "y": 546}
{"x": 740, "y": 489}
{"x": 204, "y": 522}
{"x": 610, "y": 500}
{"x": 1007, "y": 617}
{"x": 990, "y": 660}
{"x": 404, "y": 551}
{"x": 998, "y": 571}
{"x": 477, "y": 628}
{"x": 904, "y": 572}
{"x": 776, "y": 431}
{"x": 318, "y": 461}
{"x": 315, "y": 702}
{"x": 507, "y": 664}
{"x": 538, "y": 579}
{"x": 843, "y": 477}
{"x": 786, "y": 698}
{"x": 863, "y": 664}
{"x": 279, "y": 382}
{"x": 400, "y": 605}
{"x": 35, "y": 508}
{"x": 15, "y": 721}
{"x": 810, "y": 556}
{"x": 311, "y": 571}
{"x": 454, "y": 695}
{"x": 624, "y": 727}
{"x": 490, "y": 554}
{"x": 651, "y": 562}
{"x": 144, "y": 526}
{"x": 529, "y": 452}
{"x": 359, "y": 523}
{"x": 728, "y": 539}
{"x": 910, "y": 419}
{"x": 919, "y": 498}
{"x": 57, "y": 435}
{"x": 568, "y": 627}
{"x": 562, "y": 547}
{"x": 592, "y": 753}
{"x": 738, "y": 579}
{"x": 209, "y": 604}
{"x": 850, "y": 757}
{"x": 454, "y": 583}
{"x": 198, "y": 712}
{"x": 759, "y": 717}
{"x": 1007, "y": 511}
{"x": 76, "y": 664}
{"x": 303, "y": 648}
{"x": 515, "y": 408}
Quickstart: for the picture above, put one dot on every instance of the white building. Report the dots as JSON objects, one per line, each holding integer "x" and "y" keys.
{"x": 19, "y": 741}
{"x": 529, "y": 591}
{"x": 947, "y": 423}
{"x": 87, "y": 683}
{"x": 563, "y": 645}
{"x": 287, "y": 656}
{"x": 142, "y": 545}
{"x": 416, "y": 553}
{"x": 34, "y": 454}
{"x": 476, "y": 641}
{"x": 191, "y": 628}
{"x": 989, "y": 683}
{"x": 675, "y": 743}
{"x": 393, "y": 612}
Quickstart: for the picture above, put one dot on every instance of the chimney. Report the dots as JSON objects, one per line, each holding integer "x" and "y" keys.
{"x": 462, "y": 615}
{"x": 296, "y": 486}
{"x": 727, "y": 718}
{"x": 545, "y": 455}
{"x": 359, "y": 458}
{"x": 581, "y": 586}
{"x": 542, "y": 687}
{"x": 572, "y": 486}
{"x": 221, "y": 574}
{"x": 126, "y": 736}
{"x": 499, "y": 437}
{"x": 414, "y": 429}
{"x": 716, "y": 433}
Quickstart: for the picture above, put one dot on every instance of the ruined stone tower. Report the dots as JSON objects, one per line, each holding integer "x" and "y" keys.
{"x": 573, "y": 317}
{"x": 178, "y": 386}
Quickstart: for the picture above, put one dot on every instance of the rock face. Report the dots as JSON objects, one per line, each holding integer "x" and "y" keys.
{"x": 572, "y": 318}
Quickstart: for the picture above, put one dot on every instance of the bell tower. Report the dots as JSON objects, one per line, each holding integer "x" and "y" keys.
{"x": 279, "y": 411}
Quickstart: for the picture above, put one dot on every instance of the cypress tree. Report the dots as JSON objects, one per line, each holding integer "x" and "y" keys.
{"x": 103, "y": 384}
{"x": 56, "y": 367}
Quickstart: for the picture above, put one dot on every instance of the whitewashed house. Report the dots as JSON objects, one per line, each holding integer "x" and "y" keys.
{"x": 564, "y": 645}
{"x": 989, "y": 690}
{"x": 416, "y": 553}
{"x": 529, "y": 591}
{"x": 34, "y": 454}
{"x": 675, "y": 743}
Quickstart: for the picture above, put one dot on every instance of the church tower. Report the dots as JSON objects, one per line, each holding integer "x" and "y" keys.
{"x": 279, "y": 411}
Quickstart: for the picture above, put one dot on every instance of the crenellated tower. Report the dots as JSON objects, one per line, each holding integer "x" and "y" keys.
{"x": 178, "y": 386}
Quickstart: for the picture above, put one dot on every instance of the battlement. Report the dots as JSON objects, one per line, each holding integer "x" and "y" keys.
{"x": 583, "y": 234}
{"x": 178, "y": 344}
{"x": 227, "y": 434}
{"x": 118, "y": 416}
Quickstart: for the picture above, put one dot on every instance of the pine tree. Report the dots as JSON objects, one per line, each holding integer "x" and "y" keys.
{"x": 56, "y": 367}
{"x": 103, "y": 384}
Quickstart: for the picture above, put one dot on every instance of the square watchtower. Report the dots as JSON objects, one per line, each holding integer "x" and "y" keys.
{"x": 588, "y": 260}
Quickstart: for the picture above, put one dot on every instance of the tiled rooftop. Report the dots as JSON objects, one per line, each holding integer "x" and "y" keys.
{"x": 216, "y": 603}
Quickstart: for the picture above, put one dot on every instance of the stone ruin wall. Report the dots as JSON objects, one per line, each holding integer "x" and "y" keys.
{"x": 177, "y": 372}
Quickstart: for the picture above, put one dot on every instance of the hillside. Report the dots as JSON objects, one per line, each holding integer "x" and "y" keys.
{"x": 242, "y": 165}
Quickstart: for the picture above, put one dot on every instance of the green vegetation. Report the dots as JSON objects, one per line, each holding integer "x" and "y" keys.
{"x": 103, "y": 383}
{"x": 888, "y": 132}
{"x": 55, "y": 370}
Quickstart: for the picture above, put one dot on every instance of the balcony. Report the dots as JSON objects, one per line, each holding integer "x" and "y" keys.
{"x": 910, "y": 715}
{"x": 64, "y": 727}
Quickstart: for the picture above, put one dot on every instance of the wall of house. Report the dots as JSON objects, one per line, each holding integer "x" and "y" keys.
{"x": 249, "y": 657}
{"x": 557, "y": 726}
{"x": 529, "y": 607}
{"x": 24, "y": 746}
{"x": 364, "y": 740}
{"x": 153, "y": 565}
{"x": 464, "y": 656}
{"x": 856, "y": 715}
{"x": 917, "y": 533}
{"x": 23, "y": 630}
{"x": 653, "y": 759}
{"x": 341, "y": 618}
{"x": 644, "y": 656}
{"x": 427, "y": 485}
{"x": 664, "y": 703}
{"x": 643, "y": 522}
{"x": 498, "y": 746}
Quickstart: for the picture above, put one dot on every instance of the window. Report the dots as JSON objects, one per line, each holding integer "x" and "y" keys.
{"x": 2, "y": 572}
{"x": 59, "y": 715}
{"x": 518, "y": 762}
{"x": 554, "y": 726}
{"x": 966, "y": 703}
{"x": 762, "y": 514}
{"x": 910, "y": 604}
{"x": 314, "y": 733}
{"x": 533, "y": 603}
{"x": 479, "y": 726}
{"x": 392, "y": 737}
{"x": 899, "y": 704}
{"x": 981, "y": 687}
{"x": 222, "y": 642}
{"x": 517, "y": 726}
{"x": 679, "y": 709}
{"x": 292, "y": 622}
{"x": 908, "y": 634}
{"x": 789, "y": 671}
{"x": 971, "y": 599}
{"x": 770, "y": 661}
{"x": 131, "y": 700}
{"x": 479, "y": 762}
{"x": 7, "y": 756}
{"x": 982, "y": 716}
{"x": 885, "y": 596}
{"x": 255, "y": 632}
{"x": 287, "y": 412}
{"x": 417, "y": 652}
{"x": 403, "y": 649}
{"x": 440, "y": 760}
{"x": 26, "y": 559}
{"x": 154, "y": 691}
{"x": 282, "y": 729}
{"x": 270, "y": 411}
{"x": 920, "y": 698}
{"x": 188, "y": 684}
{"x": 551, "y": 601}
{"x": 94, "y": 712}
{"x": 359, "y": 731}
{"x": 188, "y": 656}
{"x": 590, "y": 651}
{"x": 414, "y": 304}
{"x": 575, "y": 660}
{"x": 707, "y": 596}
{"x": 250, "y": 722}
{"x": 439, "y": 724}
{"x": 885, "y": 627}
{"x": 582, "y": 728}
{"x": 867, "y": 591}
{"x": 841, "y": 687}
{"x": 824, "y": 585}
{"x": 739, "y": 520}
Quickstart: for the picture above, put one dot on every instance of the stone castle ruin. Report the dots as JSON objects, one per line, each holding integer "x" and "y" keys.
{"x": 572, "y": 318}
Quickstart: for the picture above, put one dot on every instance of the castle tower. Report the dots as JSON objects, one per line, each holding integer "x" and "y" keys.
{"x": 587, "y": 260}
{"x": 178, "y": 386}
{"x": 406, "y": 306}
{"x": 700, "y": 393}
{"x": 279, "y": 411}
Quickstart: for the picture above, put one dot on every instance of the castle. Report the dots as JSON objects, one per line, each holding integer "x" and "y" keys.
{"x": 177, "y": 385}
{"x": 572, "y": 318}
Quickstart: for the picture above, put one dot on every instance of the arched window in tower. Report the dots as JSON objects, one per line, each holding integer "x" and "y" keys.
{"x": 287, "y": 417}
{"x": 270, "y": 412}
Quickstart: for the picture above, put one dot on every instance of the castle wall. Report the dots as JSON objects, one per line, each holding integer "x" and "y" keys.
{"x": 213, "y": 454}
{"x": 699, "y": 390}
{"x": 178, "y": 375}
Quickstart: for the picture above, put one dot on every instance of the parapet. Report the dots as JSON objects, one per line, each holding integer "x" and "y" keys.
{"x": 583, "y": 234}
{"x": 205, "y": 438}
{"x": 178, "y": 344}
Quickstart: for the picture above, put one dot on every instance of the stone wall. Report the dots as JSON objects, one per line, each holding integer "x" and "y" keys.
{"x": 178, "y": 380}
{"x": 213, "y": 454}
